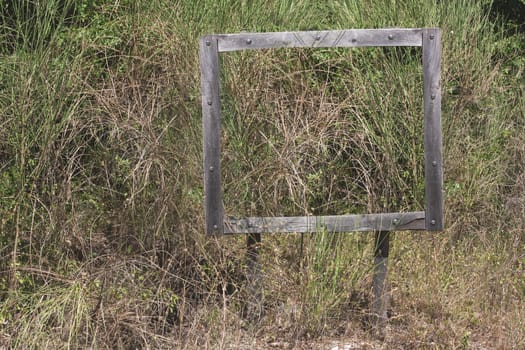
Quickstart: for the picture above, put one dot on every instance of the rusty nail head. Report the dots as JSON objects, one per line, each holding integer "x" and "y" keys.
{"x": 248, "y": 41}
{"x": 432, "y": 222}
{"x": 390, "y": 37}
{"x": 208, "y": 43}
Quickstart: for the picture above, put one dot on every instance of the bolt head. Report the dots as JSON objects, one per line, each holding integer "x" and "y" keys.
{"x": 215, "y": 227}
{"x": 390, "y": 37}
{"x": 317, "y": 37}
{"x": 433, "y": 97}
{"x": 209, "y": 102}
{"x": 212, "y": 169}
{"x": 208, "y": 43}
{"x": 434, "y": 163}
{"x": 432, "y": 222}
{"x": 248, "y": 41}
{"x": 354, "y": 40}
{"x": 395, "y": 221}
{"x": 432, "y": 36}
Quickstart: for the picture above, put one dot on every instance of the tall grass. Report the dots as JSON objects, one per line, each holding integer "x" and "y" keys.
{"x": 101, "y": 220}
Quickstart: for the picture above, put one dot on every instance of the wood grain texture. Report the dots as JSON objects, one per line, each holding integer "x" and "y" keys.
{"x": 324, "y": 38}
{"x": 380, "y": 288}
{"x": 211, "y": 128}
{"x": 433, "y": 138}
{"x": 337, "y": 223}
{"x": 254, "y": 308}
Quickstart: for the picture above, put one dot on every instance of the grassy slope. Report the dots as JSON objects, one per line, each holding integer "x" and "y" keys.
{"x": 100, "y": 188}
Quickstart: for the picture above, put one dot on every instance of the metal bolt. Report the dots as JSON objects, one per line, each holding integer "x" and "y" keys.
{"x": 354, "y": 40}
{"x": 390, "y": 37}
{"x": 215, "y": 227}
{"x": 433, "y": 97}
{"x": 248, "y": 41}
{"x": 317, "y": 37}
{"x": 432, "y": 36}
{"x": 432, "y": 222}
{"x": 212, "y": 169}
{"x": 396, "y": 221}
{"x": 208, "y": 43}
{"x": 434, "y": 163}
{"x": 209, "y": 102}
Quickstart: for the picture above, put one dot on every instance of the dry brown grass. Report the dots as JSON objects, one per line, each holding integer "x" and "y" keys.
{"x": 102, "y": 241}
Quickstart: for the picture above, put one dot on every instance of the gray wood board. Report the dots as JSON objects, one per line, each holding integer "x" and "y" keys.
{"x": 211, "y": 128}
{"x": 433, "y": 138}
{"x": 380, "y": 285}
{"x": 324, "y": 38}
{"x": 336, "y": 223}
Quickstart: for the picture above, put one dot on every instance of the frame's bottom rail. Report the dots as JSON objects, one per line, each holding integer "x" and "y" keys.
{"x": 337, "y": 223}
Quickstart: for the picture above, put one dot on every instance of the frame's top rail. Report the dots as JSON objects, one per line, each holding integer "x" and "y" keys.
{"x": 323, "y": 38}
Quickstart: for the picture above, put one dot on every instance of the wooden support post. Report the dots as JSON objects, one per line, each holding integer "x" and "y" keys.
{"x": 380, "y": 302}
{"x": 254, "y": 308}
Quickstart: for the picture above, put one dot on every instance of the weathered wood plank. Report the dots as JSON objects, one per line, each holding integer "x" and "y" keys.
{"x": 380, "y": 286}
{"x": 254, "y": 309}
{"x": 324, "y": 38}
{"x": 337, "y": 223}
{"x": 432, "y": 139}
{"x": 211, "y": 128}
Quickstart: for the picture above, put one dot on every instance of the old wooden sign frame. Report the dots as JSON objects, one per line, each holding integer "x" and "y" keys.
{"x": 428, "y": 38}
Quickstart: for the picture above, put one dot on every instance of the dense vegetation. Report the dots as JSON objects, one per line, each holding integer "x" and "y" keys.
{"x": 101, "y": 218}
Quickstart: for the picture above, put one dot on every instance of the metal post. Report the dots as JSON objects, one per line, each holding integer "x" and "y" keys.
{"x": 380, "y": 302}
{"x": 254, "y": 307}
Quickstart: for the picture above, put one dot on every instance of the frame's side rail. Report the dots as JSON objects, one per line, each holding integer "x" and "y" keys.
{"x": 328, "y": 38}
{"x": 338, "y": 223}
{"x": 433, "y": 139}
{"x": 211, "y": 128}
